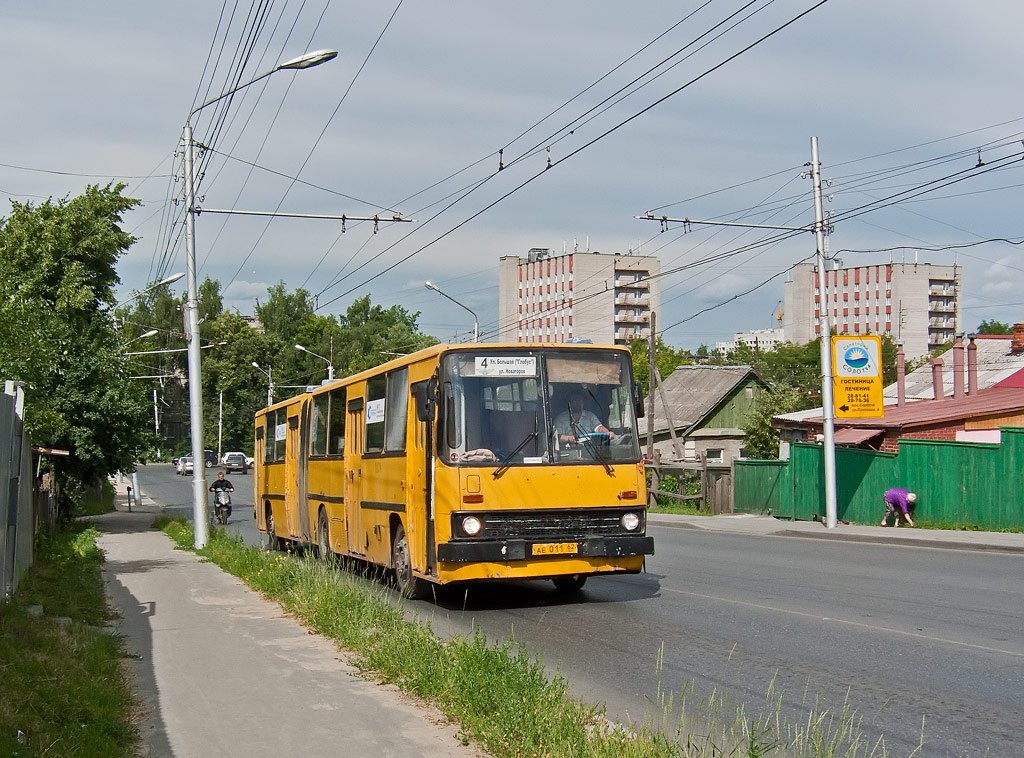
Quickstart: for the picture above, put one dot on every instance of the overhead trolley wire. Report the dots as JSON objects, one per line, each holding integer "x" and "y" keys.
{"x": 575, "y": 152}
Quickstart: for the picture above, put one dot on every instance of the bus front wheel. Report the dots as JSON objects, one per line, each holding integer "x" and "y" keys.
{"x": 571, "y": 583}
{"x": 409, "y": 586}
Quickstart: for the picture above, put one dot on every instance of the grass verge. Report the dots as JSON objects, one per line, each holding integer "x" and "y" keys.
{"x": 64, "y": 691}
{"x": 104, "y": 504}
{"x": 502, "y": 698}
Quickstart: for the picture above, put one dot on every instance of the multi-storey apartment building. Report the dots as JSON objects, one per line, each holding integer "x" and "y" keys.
{"x": 915, "y": 303}
{"x": 605, "y": 298}
{"x": 757, "y": 339}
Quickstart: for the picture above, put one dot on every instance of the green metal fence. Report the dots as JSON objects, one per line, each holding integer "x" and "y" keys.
{"x": 970, "y": 483}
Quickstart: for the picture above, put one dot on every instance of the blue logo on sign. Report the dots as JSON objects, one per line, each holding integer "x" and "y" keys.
{"x": 856, "y": 357}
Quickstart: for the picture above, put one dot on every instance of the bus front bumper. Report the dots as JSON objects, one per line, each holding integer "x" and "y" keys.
{"x": 500, "y": 551}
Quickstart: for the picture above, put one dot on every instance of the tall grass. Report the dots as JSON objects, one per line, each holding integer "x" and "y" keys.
{"x": 501, "y": 697}
{"x": 63, "y": 690}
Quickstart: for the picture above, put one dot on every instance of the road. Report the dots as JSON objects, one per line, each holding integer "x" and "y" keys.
{"x": 902, "y": 634}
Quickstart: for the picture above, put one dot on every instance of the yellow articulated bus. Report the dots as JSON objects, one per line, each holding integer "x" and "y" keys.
{"x": 462, "y": 463}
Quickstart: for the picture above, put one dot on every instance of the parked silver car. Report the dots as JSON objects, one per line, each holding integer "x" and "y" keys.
{"x": 185, "y": 465}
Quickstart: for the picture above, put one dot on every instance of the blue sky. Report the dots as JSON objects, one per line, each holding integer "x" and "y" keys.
{"x": 98, "y": 92}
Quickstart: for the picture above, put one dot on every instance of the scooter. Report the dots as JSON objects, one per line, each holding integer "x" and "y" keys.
{"x": 222, "y": 505}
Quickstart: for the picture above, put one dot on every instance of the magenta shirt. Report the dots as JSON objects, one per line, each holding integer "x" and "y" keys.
{"x": 898, "y": 496}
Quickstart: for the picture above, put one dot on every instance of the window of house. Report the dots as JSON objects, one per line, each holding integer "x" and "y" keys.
{"x": 715, "y": 455}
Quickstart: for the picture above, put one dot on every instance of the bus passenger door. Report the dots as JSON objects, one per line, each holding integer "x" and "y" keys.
{"x": 354, "y": 478}
{"x": 292, "y": 460}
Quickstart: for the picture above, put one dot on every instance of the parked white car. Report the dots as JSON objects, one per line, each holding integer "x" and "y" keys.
{"x": 185, "y": 465}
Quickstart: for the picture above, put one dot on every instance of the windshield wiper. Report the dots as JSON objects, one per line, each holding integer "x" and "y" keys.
{"x": 506, "y": 461}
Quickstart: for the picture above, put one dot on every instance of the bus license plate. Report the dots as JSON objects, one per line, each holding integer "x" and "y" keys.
{"x": 556, "y": 548}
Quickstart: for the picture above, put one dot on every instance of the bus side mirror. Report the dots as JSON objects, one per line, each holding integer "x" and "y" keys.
{"x": 638, "y": 401}
{"x": 423, "y": 397}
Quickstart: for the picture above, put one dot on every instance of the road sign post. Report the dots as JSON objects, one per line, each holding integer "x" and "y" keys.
{"x": 857, "y": 377}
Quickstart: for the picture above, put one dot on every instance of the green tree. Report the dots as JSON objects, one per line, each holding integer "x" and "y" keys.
{"x": 283, "y": 312}
{"x": 372, "y": 334}
{"x": 57, "y": 335}
{"x": 994, "y": 327}
{"x": 666, "y": 360}
{"x": 761, "y": 439}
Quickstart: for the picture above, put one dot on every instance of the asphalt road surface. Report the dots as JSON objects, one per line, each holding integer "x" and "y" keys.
{"x": 919, "y": 641}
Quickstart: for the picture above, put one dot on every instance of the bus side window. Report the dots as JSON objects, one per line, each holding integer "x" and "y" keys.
{"x": 319, "y": 446}
{"x": 336, "y": 428}
{"x": 396, "y": 410}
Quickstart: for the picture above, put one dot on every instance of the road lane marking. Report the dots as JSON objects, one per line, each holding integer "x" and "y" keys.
{"x": 872, "y": 627}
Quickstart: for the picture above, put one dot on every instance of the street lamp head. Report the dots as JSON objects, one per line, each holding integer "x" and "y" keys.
{"x": 300, "y": 347}
{"x": 171, "y": 279}
{"x": 430, "y": 286}
{"x": 309, "y": 60}
{"x": 150, "y": 333}
{"x": 255, "y": 364}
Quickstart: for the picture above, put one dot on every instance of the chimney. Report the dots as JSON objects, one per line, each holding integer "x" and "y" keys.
{"x": 937, "y": 378}
{"x": 901, "y": 376}
{"x": 1017, "y": 344}
{"x": 958, "y": 367}
{"x": 972, "y": 366}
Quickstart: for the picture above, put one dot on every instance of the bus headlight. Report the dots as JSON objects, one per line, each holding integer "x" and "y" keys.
{"x": 471, "y": 526}
{"x": 630, "y": 521}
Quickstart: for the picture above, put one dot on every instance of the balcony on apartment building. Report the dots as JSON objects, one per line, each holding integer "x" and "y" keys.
{"x": 942, "y": 289}
{"x": 937, "y": 307}
{"x": 941, "y": 323}
{"x": 632, "y": 318}
{"x": 621, "y": 284}
{"x": 638, "y": 300}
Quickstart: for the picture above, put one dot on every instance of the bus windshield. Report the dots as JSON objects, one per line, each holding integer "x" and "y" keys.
{"x": 537, "y": 407}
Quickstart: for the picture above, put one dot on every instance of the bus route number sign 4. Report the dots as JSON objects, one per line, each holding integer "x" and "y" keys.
{"x": 556, "y": 548}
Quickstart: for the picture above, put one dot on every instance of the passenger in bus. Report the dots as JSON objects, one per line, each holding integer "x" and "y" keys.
{"x": 571, "y": 423}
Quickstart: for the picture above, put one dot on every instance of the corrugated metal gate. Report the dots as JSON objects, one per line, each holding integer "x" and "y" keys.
{"x": 16, "y": 518}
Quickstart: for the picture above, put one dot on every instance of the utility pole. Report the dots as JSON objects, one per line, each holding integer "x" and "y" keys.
{"x": 652, "y": 367}
{"x": 824, "y": 326}
{"x": 156, "y": 424}
{"x": 220, "y": 424}
{"x": 825, "y": 329}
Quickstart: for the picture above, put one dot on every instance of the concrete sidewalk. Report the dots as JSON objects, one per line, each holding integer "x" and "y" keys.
{"x": 741, "y": 523}
{"x": 225, "y": 673}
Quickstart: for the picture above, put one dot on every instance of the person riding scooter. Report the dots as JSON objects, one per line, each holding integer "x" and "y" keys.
{"x": 219, "y": 486}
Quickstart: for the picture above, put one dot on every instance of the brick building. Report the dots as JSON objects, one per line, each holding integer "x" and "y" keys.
{"x": 606, "y": 298}
{"x": 914, "y": 303}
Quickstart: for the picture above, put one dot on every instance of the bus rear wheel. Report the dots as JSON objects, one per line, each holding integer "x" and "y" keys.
{"x": 409, "y": 586}
{"x": 323, "y": 540}
{"x": 273, "y": 541}
{"x": 571, "y": 583}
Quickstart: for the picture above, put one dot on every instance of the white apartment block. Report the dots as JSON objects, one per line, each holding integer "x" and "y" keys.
{"x": 757, "y": 339}
{"x": 917, "y": 304}
{"x": 605, "y": 298}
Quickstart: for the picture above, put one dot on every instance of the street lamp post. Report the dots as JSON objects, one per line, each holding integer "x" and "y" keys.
{"x": 330, "y": 366}
{"x": 476, "y": 323}
{"x": 195, "y": 389}
{"x": 270, "y": 378}
{"x": 169, "y": 280}
{"x": 144, "y": 335}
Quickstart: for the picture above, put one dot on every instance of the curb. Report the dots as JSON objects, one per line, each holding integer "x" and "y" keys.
{"x": 904, "y": 541}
